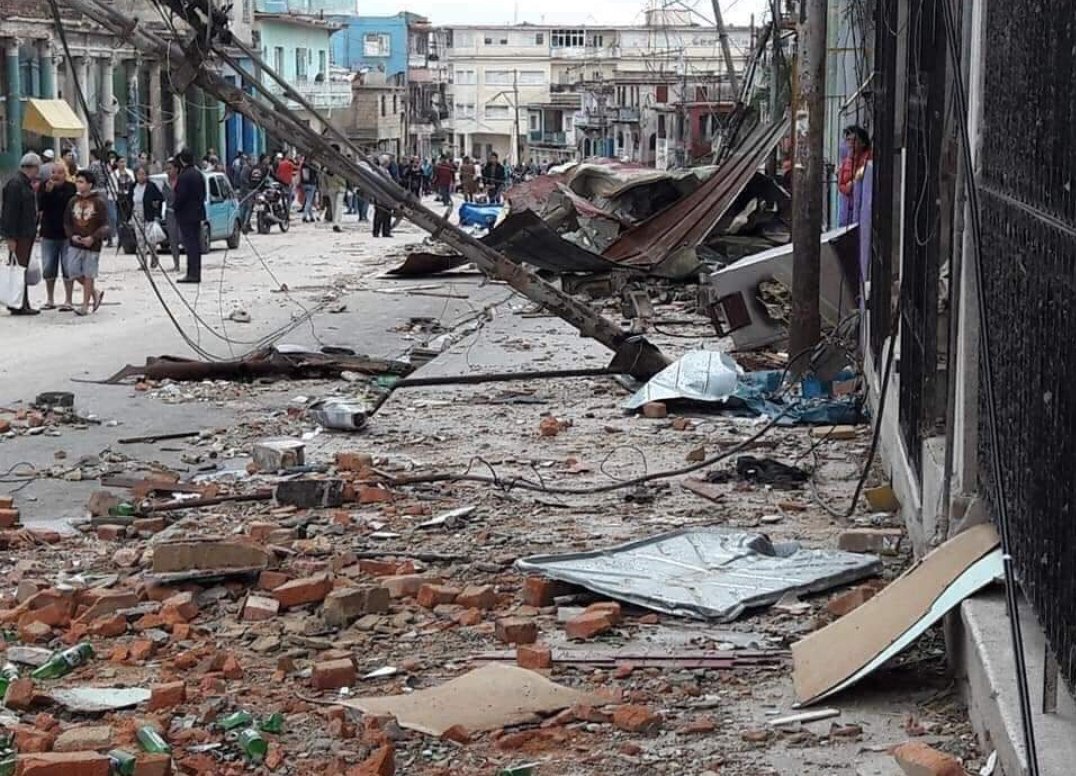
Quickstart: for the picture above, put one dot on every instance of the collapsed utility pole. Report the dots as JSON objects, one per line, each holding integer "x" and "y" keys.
{"x": 339, "y": 156}
{"x": 805, "y": 329}
{"x": 726, "y": 49}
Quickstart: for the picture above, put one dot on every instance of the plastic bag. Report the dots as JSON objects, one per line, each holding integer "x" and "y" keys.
{"x": 155, "y": 233}
{"x": 12, "y": 283}
{"x": 34, "y": 271}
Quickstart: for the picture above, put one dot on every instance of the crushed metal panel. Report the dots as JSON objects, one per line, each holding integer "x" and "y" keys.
{"x": 687, "y": 222}
{"x": 524, "y": 237}
{"x": 426, "y": 263}
{"x": 698, "y": 375}
{"x": 704, "y": 573}
{"x": 843, "y": 652}
{"x": 837, "y": 295}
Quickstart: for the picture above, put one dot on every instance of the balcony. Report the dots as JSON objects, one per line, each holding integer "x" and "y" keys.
{"x": 322, "y": 95}
{"x": 547, "y": 138}
{"x": 627, "y": 115}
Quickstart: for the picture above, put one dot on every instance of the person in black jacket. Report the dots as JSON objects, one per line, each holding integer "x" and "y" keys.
{"x": 18, "y": 220}
{"x": 190, "y": 213}
{"x": 52, "y": 198}
{"x": 143, "y": 203}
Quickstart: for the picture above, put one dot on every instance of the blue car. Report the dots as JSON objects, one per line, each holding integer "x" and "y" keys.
{"x": 221, "y": 208}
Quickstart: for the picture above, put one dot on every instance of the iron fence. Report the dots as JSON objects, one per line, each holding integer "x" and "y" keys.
{"x": 1028, "y": 175}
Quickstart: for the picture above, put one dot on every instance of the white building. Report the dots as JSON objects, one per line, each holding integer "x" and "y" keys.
{"x": 554, "y": 93}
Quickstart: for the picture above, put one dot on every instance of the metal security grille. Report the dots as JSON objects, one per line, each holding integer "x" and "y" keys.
{"x": 924, "y": 223}
{"x": 1028, "y": 177}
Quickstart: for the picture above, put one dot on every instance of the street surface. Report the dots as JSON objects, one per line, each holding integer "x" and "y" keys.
{"x": 714, "y": 721}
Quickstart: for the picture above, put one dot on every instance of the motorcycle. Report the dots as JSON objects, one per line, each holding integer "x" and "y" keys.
{"x": 271, "y": 207}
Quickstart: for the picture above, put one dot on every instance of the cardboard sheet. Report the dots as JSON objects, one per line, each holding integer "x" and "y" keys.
{"x": 843, "y": 652}
{"x": 487, "y": 698}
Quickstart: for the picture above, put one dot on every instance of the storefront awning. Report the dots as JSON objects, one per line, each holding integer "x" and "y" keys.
{"x": 53, "y": 118}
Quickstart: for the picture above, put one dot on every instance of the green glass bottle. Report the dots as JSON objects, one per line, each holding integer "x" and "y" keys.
{"x": 7, "y": 764}
{"x": 274, "y": 723}
{"x": 63, "y": 663}
{"x": 122, "y": 763}
{"x": 253, "y": 745}
{"x": 152, "y": 741}
{"x": 235, "y": 720}
{"x": 122, "y": 510}
{"x": 8, "y": 674}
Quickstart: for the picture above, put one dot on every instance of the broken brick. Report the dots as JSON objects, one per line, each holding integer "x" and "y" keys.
{"x": 379, "y": 568}
{"x": 140, "y": 650}
{"x": 149, "y": 764}
{"x": 380, "y": 763}
{"x": 612, "y": 608}
{"x": 184, "y": 604}
{"x": 111, "y": 533}
{"x": 885, "y": 541}
{"x": 540, "y": 592}
{"x": 536, "y": 657}
{"x": 477, "y": 597}
{"x": 655, "y": 410}
{"x": 334, "y": 674}
{"x": 9, "y": 518}
{"x": 309, "y": 590}
{"x": 35, "y": 632}
{"x": 20, "y": 693}
{"x": 458, "y": 734}
{"x": 917, "y": 759}
{"x": 851, "y": 600}
{"x": 165, "y": 696}
{"x": 588, "y": 625}
{"x": 353, "y": 462}
{"x": 149, "y": 525}
{"x": 636, "y": 719}
{"x": 372, "y": 494}
{"x": 517, "y": 630}
{"x": 109, "y": 627}
{"x": 259, "y": 531}
{"x": 344, "y": 606}
{"x": 63, "y": 764}
{"x": 272, "y": 455}
{"x": 404, "y": 585}
{"x": 309, "y": 493}
{"x": 108, "y": 603}
{"x": 430, "y": 595}
{"x": 271, "y": 580}
{"x": 81, "y": 739}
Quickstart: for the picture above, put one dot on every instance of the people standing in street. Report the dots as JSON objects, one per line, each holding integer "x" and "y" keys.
{"x": 18, "y": 220}
{"x": 190, "y": 213}
{"x": 121, "y": 181}
{"x": 382, "y": 212}
{"x": 143, "y": 202}
{"x": 67, "y": 157}
{"x": 468, "y": 179}
{"x": 171, "y": 228}
{"x": 444, "y": 180}
{"x": 852, "y": 169}
{"x": 308, "y": 180}
{"x": 86, "y": 226}
{"x": 493, "y": 178}
{"x": 413, "y": 177}
{"x": 53, "y": 197}
{"x": 48, "y": 157}
{"x": 285, "y": 173}
{"x": 332, "y": 186}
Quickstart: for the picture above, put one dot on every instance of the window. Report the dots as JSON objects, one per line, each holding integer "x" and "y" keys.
{"x": 463, "y": 39}
{"x": 661, "y": 125}
{"x": 300, "y": 63}
{"x": 703, "y": 125}
{"x": 700, "y": 94}
{"x": 383, "y": 102}
{"x": 662, "y": 94}
{"x": 323, "y": 63}
{"x": 531, "y": 78}
{"x": 539, "y": 39}
{"x": 376, "y": 44}
{"x": 567, "y": 38}
{"x": 534, "y": 122}
{"x": 465, "y": 110}
{"x": 499, "y": 77}
{"x": 214, "y": 190}
{"x": 466, "y": 77}
{"x": 395, "y": 104}
{"x": 278, "y": 59}
{"x": 597, "y": 41}
{"x": 496, "y": 39}
{"x": 497, "y": 111}
{"x": 596, "y": 75}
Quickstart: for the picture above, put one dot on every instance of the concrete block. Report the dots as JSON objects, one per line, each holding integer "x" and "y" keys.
{"x": 272, "y": 455}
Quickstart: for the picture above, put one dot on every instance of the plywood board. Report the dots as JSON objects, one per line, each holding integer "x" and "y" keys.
{"x": 486, "y": 698}
{"x": 829, "y": 658}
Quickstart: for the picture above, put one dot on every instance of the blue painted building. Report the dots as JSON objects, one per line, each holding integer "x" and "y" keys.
{"x": 379, "y": 43}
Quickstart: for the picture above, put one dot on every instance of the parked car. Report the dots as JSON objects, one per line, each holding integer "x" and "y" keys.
{"x": 221, "y": 208}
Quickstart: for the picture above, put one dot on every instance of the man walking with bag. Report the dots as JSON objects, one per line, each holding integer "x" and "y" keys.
{"x": 18, "y": 222}
{"x": 190, "y": 213}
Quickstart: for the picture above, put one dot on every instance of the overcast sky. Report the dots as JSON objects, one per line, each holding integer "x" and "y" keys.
{"x": 590, "y": 12}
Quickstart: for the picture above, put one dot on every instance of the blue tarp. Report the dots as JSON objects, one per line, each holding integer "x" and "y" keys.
{"x": 479, "y": 215}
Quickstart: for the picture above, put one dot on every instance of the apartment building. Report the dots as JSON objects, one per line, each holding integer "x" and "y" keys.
{"x": 652, "y": 93}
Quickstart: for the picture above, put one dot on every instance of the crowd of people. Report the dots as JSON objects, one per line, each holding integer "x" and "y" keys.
{"x": 77, "y": 211}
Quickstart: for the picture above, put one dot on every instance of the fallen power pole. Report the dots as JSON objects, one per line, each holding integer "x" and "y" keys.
{"x": 726, "y": 50}
{"x": 340, "y": 157}
{"x": 809, "y": 124}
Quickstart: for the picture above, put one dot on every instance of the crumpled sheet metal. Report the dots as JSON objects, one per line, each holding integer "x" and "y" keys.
{"x": 699, "y": 375}
{"x": 704, "y": 573}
